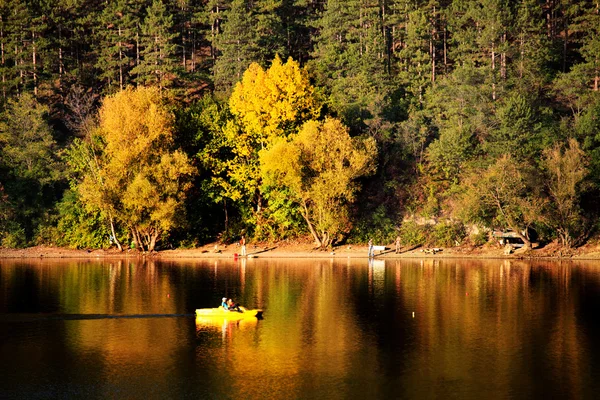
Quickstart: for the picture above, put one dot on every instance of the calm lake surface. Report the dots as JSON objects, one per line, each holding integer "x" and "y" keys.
{"x": 332, "y": 329}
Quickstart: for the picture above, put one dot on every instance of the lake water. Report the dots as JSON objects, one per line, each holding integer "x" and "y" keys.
{"x": 332, "y": 329}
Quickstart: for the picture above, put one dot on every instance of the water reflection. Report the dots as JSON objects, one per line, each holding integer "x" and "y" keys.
{"x": 332, "y": 328}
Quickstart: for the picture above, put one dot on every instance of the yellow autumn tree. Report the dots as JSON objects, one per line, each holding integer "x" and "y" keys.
{"x": 274, "y": 102}
{"x": 266, "y": 105}
{"x": 320, "y": 166}
{"x": 137, "y": 177}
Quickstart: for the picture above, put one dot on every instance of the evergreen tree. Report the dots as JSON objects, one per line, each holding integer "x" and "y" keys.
{"x": 236, "y": 46}
{"x": 270, "y": 31}
{"x": 413, "y": 39}
{"x": 157, "y": 63}
{"x": 587, "y": 26}
{"x": 252, "y": 31}
{"x": 530, "y": 49}
{"x": 479, "y": 36}
{"x": 298, "y": 19}
{"x": 349, "y": 59}
{"x": 16, "y": 17}
{"x": 116, "y": 44}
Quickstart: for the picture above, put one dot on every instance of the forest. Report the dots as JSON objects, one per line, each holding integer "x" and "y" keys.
{"x": 155, "y": 124}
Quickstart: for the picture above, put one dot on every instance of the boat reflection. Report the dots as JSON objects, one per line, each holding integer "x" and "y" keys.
{"x": 207, "y": 323}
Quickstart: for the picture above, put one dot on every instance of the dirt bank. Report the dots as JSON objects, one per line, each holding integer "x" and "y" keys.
{"x": 306, "y": 250}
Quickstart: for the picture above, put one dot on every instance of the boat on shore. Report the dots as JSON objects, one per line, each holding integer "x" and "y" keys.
{"x": 221, "y": 313}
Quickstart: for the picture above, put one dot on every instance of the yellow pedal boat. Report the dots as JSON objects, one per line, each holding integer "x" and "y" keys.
{"x": 220, "y": 313}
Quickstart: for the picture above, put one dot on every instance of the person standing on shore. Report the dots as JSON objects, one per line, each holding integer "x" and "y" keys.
{"x": 397, "y": 244}
{"x": 370, "y": 248}
{"x": 243, "y": 244}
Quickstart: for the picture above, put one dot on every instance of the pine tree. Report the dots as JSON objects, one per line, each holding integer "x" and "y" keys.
{"x": 480, "y": 39}
{"x": 298, "y": 19}
{"x": 530, "y": 47}
{"x": 587, "y": 28}
{"x": 412, "y": 39}
{"x": 15, "y": 63}
{"x": 116, "y": 44}
{"x": 157, "y": 63}
{"x": 63, "y": 22}
{"x": 270, "y": 31}
{"x": 350, "y": 61}
{"x": 236, "y": 46}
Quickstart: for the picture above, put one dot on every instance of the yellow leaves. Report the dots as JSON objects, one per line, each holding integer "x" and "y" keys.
{"x": 267, "y": 102}
{"x": 333, "y": 153}
{"x": 134, "y": 122}
{"x": 281, "y": 165}
{"x": 138, "y": 178}
{"x": 319, "y": 165}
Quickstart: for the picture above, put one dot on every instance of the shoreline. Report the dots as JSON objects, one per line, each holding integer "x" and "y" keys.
{"x": 303, "y": 250}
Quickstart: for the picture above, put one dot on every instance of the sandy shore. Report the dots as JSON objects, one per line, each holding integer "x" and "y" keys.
{"x": 306, "y": 250}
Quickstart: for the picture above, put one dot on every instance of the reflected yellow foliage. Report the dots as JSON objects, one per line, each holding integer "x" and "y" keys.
{"x": 425, "y": 326}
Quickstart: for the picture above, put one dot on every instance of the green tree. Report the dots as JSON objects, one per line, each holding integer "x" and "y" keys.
{"x": 506, "y": 194}
{"x": 15, "y": 63}
{"x": 531, "y": 48}
{"x": 320, "y": 166}
{"x": 349, "y": 60}
{"x": 28, "y": 146}
{"x": 517, "y": 131}
{"x": 566, "y": 169}
{"x": 79, "y": 228}
{"x": 28, "y": 154}
{"x": 157, "y": 64}
{"x": 236, "y": 46}
{"x": 479, "y": 38}
{"x": 116, "y": 38}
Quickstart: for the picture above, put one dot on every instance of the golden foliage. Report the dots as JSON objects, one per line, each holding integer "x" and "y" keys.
{"x": 268, "y": 102}
{"x": 320, "y": 166}
{"x": 267, "y": 105}
{"x": 138, "y": 178}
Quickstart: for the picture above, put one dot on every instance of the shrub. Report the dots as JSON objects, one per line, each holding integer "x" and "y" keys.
{"x": 412, "y": 234}
{"x": 447, "y": 234}
{"x": 479, "y": 239}
{"x": 76, "y": 227}
{"x": 379, "y": 227}
{"x": 13, "y": 239}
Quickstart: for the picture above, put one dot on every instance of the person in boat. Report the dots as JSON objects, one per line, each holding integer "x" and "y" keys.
{"x": 231, "y": 306}
{"x": 224, "y": 303}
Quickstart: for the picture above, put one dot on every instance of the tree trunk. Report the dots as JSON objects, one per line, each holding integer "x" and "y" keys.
{"x": 60, "y": 56}
{"x": 325, "y": 239}
{"x": 304, "y": 213}
{"x": 120, "y": 61}
{"x": 432, "y": 48}
{"x": 503, "y": 58}
{"x": 445, "y": 51}
{"x": 114, "y": 235}
{"x": 226, "y": 216}
{"x": 3, "y": 60}
{"x": 565, "y": 44}
{"x": 138, "y": 239}
{"x": 524, "y": 238}
{"x": 493, "y": 72}
{"x": 153, "y": 239}
{"x": 34, "y": 61}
